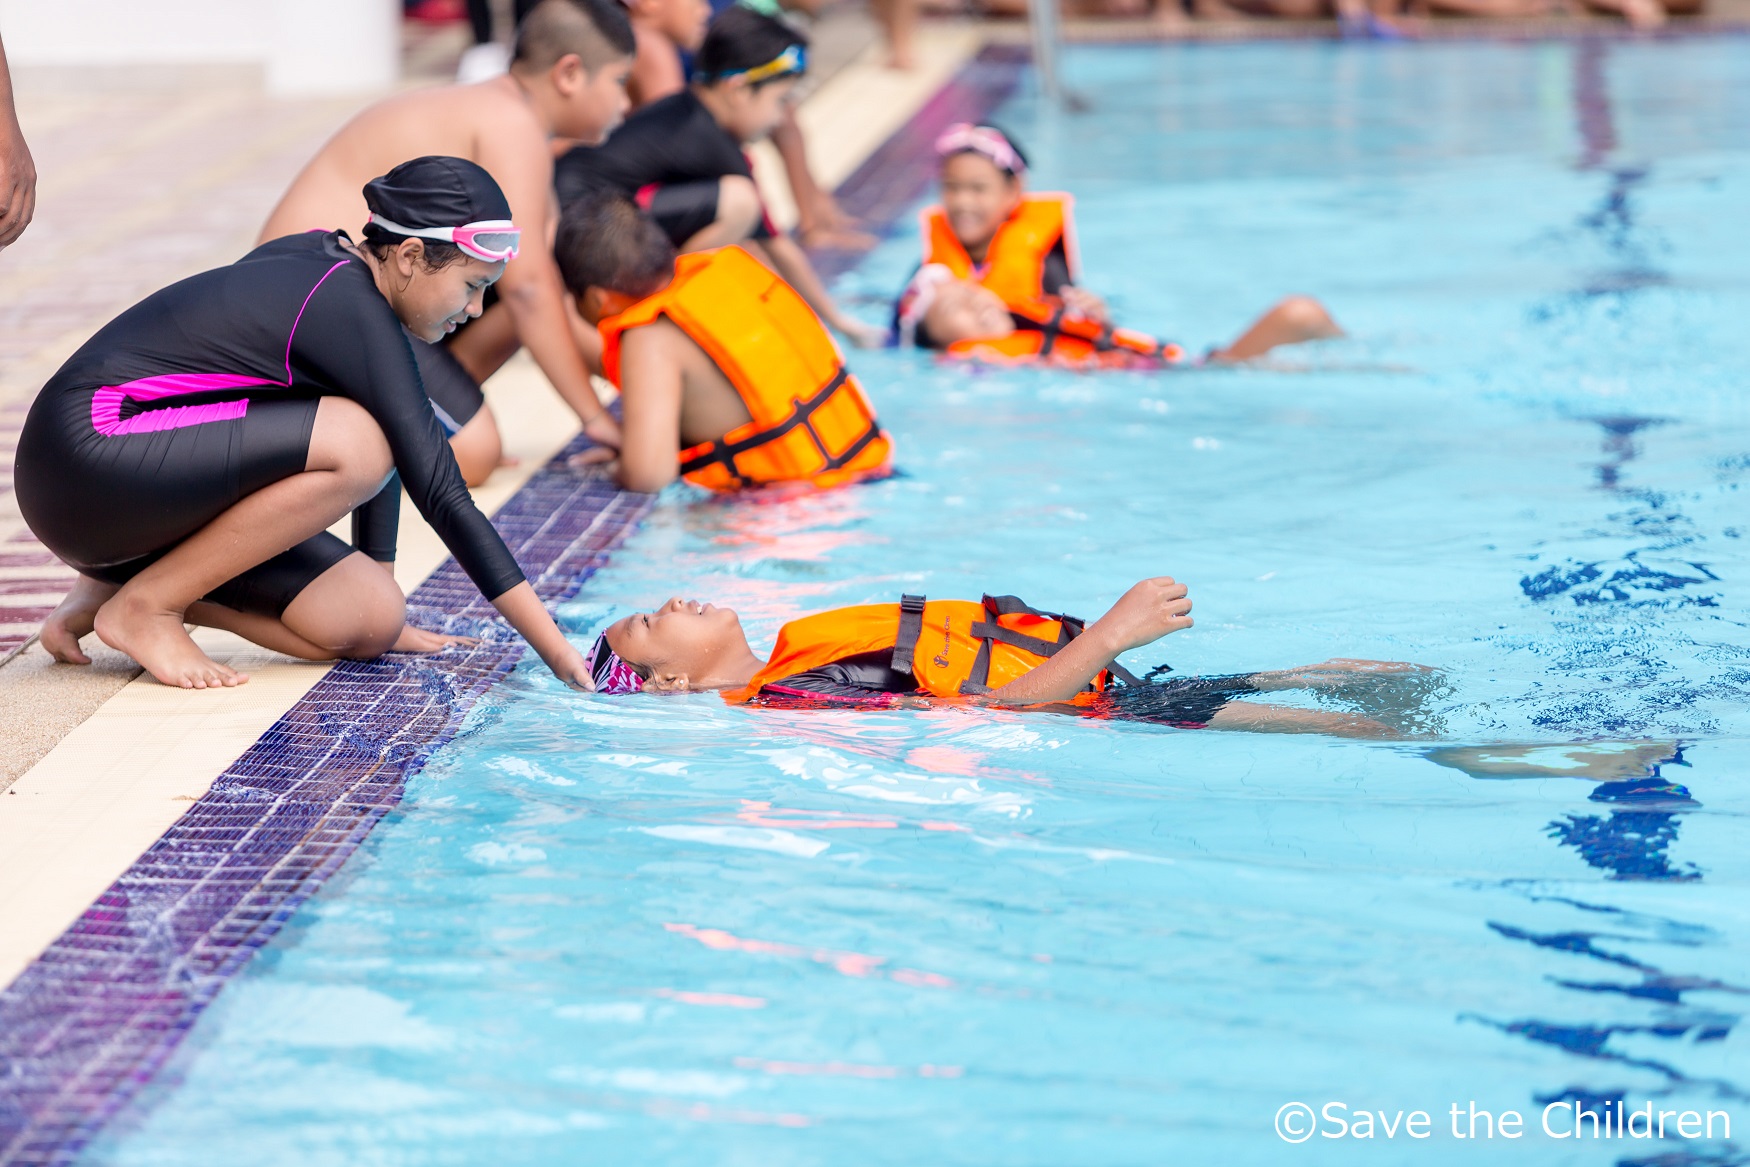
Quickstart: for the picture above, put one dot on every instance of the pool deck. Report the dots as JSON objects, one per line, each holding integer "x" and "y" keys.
{"x": 151, "y": 839}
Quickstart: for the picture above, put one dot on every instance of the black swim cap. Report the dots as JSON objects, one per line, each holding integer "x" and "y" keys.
{"x": 437, "y": 191}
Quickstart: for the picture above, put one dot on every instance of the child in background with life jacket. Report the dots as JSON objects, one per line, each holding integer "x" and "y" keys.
{"x": 989, "y": 233}
{"x": 997, "y": 649}
{"x": 716, "y": 358}
{"x": 682, "y": 158}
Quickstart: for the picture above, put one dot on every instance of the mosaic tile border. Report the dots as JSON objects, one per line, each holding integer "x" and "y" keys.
{"x": 90, "y": 1022}
{"x": 100, "y": 1011}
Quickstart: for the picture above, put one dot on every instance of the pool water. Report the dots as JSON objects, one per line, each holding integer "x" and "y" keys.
{"x": 673, "y": 932}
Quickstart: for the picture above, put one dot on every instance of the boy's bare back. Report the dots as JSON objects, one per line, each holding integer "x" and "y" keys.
{"x": 490, "y": 123}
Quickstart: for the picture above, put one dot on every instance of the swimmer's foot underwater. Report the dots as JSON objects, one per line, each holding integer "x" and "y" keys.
{"x": 997, "y": 650}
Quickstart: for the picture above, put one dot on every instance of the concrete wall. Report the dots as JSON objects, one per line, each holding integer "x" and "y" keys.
{"x": 301, "y": 46}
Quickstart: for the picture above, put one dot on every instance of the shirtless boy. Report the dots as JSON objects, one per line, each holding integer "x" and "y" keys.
{"x": 567, "y": 80}
{"x": 682, "y": 157}
{"x": 717, "y": 359}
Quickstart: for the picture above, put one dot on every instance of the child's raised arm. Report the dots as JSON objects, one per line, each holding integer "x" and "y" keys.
{"x": 1144, "y": 614}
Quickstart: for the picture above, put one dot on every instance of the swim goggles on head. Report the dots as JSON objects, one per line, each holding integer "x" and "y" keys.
{"x": 985, "y": 141}
{"x": 609, "y": 673}
{"x": 791, "y": 60}
{"x": 492, "y": 240}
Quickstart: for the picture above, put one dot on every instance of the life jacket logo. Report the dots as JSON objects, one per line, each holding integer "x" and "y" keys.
{"x": 940, "y": 660}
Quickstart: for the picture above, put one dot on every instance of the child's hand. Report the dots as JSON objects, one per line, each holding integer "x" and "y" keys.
{"x": 1144, "y": 614}
{"x": 862, "y": 335}
{"x": 1084, "y": 304}
{"x": 421, "y": 640}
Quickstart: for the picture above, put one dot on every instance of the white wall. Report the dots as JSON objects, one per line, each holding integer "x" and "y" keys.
{"x": 302, "y": 46}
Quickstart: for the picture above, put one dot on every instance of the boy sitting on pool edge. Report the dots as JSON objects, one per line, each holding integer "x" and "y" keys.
{"x": 716, "y": 358}
{"x": 996, "y": 649}
{"x": 1000, "y": 279}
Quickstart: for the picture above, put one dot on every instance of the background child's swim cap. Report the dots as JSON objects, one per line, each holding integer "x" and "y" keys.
{"x": 988, "y": 142}
{"x": 437, "y": 191}
{"x": 609, "y": 673}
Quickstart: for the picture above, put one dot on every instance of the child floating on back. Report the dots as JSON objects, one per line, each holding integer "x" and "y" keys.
{"x": 996, "y": 649}
{"x": 1000, "y": 278}
{"x": 717, "y": 359}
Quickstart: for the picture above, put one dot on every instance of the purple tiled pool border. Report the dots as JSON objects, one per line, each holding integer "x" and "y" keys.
{"x": 94, "y": 1018}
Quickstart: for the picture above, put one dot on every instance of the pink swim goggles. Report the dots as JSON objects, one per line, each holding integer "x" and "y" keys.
{"x": 493, "y": 240}
{"x": 985, "y": 141}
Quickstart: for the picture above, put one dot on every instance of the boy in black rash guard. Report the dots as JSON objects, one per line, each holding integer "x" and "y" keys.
{"x": 999, "y": 650}
{"x": 189, "y": 458}
{"x": 681, "y": 158}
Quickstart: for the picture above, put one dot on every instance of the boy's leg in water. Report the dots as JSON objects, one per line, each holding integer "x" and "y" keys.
{"x": 1292, "y": 321}
{"x": 1390, "y": 692}
{"x": 1257, "y": 718}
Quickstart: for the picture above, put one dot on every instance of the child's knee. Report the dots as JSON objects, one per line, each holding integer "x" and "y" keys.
{"x": 1305, "y": 315}
{"x": 370, "y": 622}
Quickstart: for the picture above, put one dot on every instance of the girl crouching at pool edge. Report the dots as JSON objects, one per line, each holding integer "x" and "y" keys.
{"x": 996, "y": 650}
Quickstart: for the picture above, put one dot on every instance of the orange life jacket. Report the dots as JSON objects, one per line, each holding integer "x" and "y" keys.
{"x": 810, "y": 419}
{"x": 1077, "y": 343}
{"x": 1014, "y": 263}
{"x": 950, "y": 647}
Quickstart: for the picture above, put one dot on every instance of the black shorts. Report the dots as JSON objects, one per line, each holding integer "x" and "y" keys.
{"x": 112, "y": 505}
{"x": 1184, "y": 702}
{"x": 455, "y": 395}
{"x": 681, "y": 209}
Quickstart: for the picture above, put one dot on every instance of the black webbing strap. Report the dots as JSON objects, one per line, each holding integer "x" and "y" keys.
{"x": 990, "y": 632}
{"x": 1051, "y": 329}
{"x": 1125, "y": 675}
{"x": 725, "y": 452}
{"x": 911, "y": 626}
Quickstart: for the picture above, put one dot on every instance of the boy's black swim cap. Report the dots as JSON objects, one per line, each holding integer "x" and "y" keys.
{"x": 437, "y": 191}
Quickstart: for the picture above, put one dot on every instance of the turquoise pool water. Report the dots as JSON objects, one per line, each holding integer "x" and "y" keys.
{"x": 671, "y": 932}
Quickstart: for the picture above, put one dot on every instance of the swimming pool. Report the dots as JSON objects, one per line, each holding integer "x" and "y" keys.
{"x": 675, "y": 932}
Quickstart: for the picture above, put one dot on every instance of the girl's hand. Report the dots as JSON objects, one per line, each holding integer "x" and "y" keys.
{"x": 1144, "y": 614}
{"x": 419, "y": 640}
{"x": 568, "y": 665}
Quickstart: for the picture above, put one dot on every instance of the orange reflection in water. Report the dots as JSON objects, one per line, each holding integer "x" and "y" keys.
{"x": 850, "y": 964}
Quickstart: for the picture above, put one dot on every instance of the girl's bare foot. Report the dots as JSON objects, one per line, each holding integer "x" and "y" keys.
{"x": 75, "y": 618}
{"x": 157, "y": 641}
